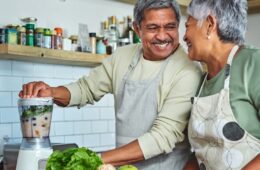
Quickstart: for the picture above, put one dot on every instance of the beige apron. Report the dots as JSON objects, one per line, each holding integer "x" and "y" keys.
{"x": 135, "y": 113}
{"x": 215, "y": 136}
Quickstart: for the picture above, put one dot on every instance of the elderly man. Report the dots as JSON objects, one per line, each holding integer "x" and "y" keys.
{"x": 152, "y": 85}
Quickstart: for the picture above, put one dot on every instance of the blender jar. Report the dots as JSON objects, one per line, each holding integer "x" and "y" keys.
{"x": 35, "y": 117}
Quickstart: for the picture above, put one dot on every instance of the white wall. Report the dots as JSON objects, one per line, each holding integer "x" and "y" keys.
{"x": 63, "y": 13}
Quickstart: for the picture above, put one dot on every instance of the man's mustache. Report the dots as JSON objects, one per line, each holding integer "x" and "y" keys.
{"x": 162, "y": 41}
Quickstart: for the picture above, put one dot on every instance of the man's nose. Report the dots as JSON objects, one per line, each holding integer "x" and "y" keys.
{"x": 162, "y": 34}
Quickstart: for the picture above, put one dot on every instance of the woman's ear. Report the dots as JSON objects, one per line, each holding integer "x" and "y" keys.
{"x": 211, "y": 24}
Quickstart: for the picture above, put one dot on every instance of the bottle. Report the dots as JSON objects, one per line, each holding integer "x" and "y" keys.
{"x": 58, "y": 44}
{"x": 129, "y": 32}
{"x": 113, "y": 34}
{"x": 104, "y": 30}
{"x": 92, "y": 37}
{"x": 100, "y": 47}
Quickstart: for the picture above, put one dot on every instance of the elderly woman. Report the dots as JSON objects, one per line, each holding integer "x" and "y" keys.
{"x": 224, "y": 127}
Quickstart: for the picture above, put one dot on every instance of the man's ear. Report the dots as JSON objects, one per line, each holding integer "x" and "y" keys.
{"x": 136, "y": 28}
{"x": 211, "y": 24}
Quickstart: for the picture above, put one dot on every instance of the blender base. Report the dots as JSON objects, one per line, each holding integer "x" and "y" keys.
{"x": 32, "y": 159}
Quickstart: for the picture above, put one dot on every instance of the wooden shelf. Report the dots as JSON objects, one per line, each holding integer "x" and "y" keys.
{"x": 43, "y": 55}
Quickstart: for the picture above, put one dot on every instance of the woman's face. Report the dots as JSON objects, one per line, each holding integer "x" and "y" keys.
{"x": 196, "y": 39}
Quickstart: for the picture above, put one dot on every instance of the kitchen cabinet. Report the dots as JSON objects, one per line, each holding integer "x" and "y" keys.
{"x": 43, "y": 55}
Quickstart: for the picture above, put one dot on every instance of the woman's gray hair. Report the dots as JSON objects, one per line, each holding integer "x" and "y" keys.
{"x": 231, "y": 17}
{"x": 142, "y": 5}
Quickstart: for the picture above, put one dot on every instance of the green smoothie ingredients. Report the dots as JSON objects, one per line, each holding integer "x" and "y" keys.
{"x": 74, "y": 159}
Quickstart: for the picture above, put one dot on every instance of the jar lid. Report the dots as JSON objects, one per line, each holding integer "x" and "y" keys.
{"x": 92, "y": 34}
{"x": 47, "y": 31}
{"x": 29, "y": 20}
{"x": 58, "y": 30}
{"x": 73, "y": 37}
{"x": 21, "y": 29}
{"x": 29, "y": 26}
{"x": 35, "y": 101}
{"x": 53, "y": 32}
{"x": 39, "y": 30}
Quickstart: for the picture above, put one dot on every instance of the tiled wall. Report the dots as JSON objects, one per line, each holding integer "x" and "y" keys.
{"x": 92, "y": 126}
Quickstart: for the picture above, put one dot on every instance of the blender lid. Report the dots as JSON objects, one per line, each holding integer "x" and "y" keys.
{"x": 35, "y": 101}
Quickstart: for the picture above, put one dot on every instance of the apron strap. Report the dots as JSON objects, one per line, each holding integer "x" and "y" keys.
{"x": 228, "y": 67}
{"x": 134, "y": 62}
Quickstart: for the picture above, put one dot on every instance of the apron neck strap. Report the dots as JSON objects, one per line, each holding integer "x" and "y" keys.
{"x": 228, "y": 66}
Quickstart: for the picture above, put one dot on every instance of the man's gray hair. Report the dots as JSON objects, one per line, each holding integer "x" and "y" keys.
{"x": 142, "y": 5}
{"x": 231, "y": 17}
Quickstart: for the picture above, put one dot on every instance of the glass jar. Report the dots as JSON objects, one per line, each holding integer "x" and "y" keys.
{"x": 74, "y": 42}
{"x": 21, "y": 35}
{"x": 30, "y": 34}
{"x": 2, "y": 36}
{"x": 58, "y": 42}
{"x": 53, "y": 39}
{"x": 47, "y": 38}
{"x": 92, "y": 37}
{"x": 38, "y": 37}
{"x": 11, "y": 36}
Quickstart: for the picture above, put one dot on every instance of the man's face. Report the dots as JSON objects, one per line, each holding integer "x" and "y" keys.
{"x": 159, "y": 33}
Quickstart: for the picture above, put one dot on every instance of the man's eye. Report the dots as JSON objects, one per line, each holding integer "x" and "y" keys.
{"x": 170, "y": 27}
{"x": 151, "y": 28}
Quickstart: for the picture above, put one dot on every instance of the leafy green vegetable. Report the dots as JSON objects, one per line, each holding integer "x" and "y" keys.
{"x": 74, "y": 159}
{"x": 36, "y": 110}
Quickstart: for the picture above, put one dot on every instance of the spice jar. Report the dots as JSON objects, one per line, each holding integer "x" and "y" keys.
{"x": 74, "y": 42}
{"x": 53, "y": 38}
{"x": 47, "y": 38}
{"x": 30, "y": 34}
{"x": 58, "y": 42}
{"x": 11, "y": 36}
{"x": 92, "y": 37}
{"x": 21, "y": 35}
{"x": 39, "y": 37}
{"x": 2, "y": 36}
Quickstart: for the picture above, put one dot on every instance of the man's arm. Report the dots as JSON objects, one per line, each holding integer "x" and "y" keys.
{"x": 254, "y": 164}
{"x": 126, "y": 154}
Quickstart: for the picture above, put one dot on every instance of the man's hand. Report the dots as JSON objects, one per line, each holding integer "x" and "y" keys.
{"x": 36, "y": 89}
{"x": 254, "y": 164}
{"x": 60, "y": 95}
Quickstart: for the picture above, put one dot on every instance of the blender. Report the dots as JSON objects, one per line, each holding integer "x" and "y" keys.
{"x": 35, "y": 119}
